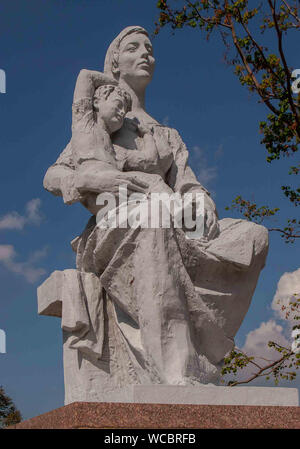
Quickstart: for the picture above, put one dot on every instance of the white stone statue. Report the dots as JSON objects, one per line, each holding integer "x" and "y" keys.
{"x": 145, "y": 305}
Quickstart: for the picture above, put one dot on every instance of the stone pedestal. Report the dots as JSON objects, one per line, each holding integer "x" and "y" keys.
{"x": 204, "y": 395}
{"x": 84, "y": 415}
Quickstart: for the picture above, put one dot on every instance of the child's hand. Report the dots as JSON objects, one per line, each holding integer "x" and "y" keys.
{"x": 132, "y": 124}
{"x": 136, "y": 126}
{"x": 142, "y": 130}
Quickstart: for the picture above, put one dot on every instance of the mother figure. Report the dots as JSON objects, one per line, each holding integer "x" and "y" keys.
{"x": 152, "y": 306}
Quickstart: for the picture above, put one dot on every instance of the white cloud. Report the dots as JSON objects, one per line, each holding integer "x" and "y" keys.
{"x": 38, "y": 255}
{"x": 219, "y": 152}
{"x": 7, "y": 252}
{"x": 165, "y": 121}
{"x": 33, "y": 211}
{"x": 256, "y": 343}
{"x": 287, "y": 287}
{"x": 13, "y": 220}
{"x": 256, "y": 340}
{"x": 203, "y": 171}
{"x": 32, "y": 274}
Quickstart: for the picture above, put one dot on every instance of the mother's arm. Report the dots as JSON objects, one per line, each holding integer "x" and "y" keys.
{"x": 84, "y": 183}
{"x": 96, "y": 172}
{"x": 60, "y": 178}
{"x": 80, "y": 173}
{"x": 88, "y": 81}
{"x": 100, "y": 177}
{"x": 182, "y": 179}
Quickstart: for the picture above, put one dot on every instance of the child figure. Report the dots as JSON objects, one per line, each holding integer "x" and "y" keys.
{"x": 99, "y": 110}
{"x": 93, "y": 124}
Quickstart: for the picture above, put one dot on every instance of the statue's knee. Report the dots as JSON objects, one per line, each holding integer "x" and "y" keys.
{"x": 253, "y": 234}
{"x": 262, "y": 243}
{"x": 260, "y": 237}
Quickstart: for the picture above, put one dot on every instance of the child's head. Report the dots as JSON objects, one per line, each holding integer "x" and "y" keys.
{"x": 111, "y": 104}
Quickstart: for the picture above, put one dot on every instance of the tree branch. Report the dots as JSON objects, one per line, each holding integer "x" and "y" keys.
{"x": 262, "y": 372}
{"x": 248, "y": 68}
{"x": 286, "y": 69}
{"x": 191, "y": 5}
{"x": 291, "y": 12}
{"x": 288, "y": 234}
{"x": 259, "y": 49}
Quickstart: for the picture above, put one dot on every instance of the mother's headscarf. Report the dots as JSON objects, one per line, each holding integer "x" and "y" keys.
{"x": 112, "y": 54}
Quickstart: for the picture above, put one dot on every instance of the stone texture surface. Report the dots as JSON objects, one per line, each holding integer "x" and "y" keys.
{"x": 49, "y": 295}
{"x": 209, "y": 395}
{"x": 144, "y": 305}
{"x": 161, "y": 416}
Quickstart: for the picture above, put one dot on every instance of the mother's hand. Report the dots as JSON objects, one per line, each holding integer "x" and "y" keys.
{"x": 101, "y": 178}
{"x": 122, "y": 179}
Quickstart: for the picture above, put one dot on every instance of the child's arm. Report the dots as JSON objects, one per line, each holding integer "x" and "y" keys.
{"x": 89, "y": 143}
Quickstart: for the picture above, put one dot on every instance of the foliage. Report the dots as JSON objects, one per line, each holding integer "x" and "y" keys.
{"x": 9, "y": 414}
{"x": 251, "y": 212}
{"x": 285, "y": 367}
{"x": 244, "y": 26}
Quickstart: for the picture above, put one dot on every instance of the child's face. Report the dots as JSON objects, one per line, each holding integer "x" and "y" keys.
{"x": 112, "y": 111}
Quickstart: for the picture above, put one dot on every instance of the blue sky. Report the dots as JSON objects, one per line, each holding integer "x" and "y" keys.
{"x": 44, "y": 45}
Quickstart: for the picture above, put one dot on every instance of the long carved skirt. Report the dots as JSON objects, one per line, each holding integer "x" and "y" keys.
{"x": 167, "y": 307}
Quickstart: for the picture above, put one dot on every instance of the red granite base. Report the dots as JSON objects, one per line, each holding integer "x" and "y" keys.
{"x": 82, "y": 415}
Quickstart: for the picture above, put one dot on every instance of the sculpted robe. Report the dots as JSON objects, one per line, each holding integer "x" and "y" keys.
{"x": 149, "y": 305}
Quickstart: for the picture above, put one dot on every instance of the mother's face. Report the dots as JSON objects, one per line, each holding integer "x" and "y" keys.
{"x": 136, "y": 62}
